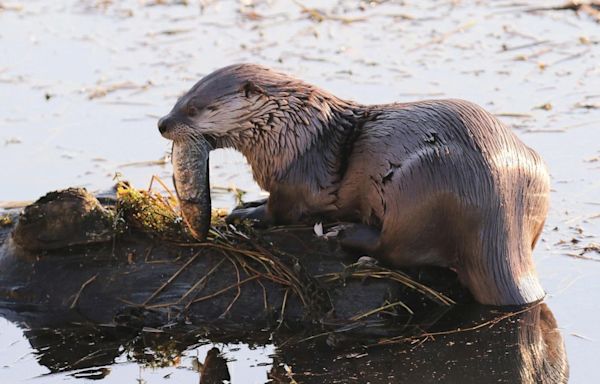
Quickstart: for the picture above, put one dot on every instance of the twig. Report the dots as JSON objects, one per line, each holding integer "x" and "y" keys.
{"x": 581, "y": 256}
{"x": 523, "y": 46}
{"x": 148, "y": 252}
{"x": 85, "y": 284}
{"x": 513, "y": 114}
{"x": 148, "y": 163}
{"x": 549, "y": 130}
{"x": 283, "y": 305}
{"x": 580, "y": 125}
{"x": 426, "y": 335}
{"x": 376, "y": 310}
{"x": 441, "y": 38}
{"x": 239, "y": 290}
{"x": 310, "y": 338}
{"x": 161, "y": 305}
{"x": 173, "y": 277}
{"x": 202, "y": 280}
{"x": 395, "y": 276}
{"x": 89, "y": 356}
{"x": 589, "y": 8}
{"x": 128, "y": 302}
{"x": 222, "y": 290}
{"x": 570, "y": 57}
{"x": 295, "y": 283}
{"x": 162, "y": 183}
{"x": 265, "y": 300}
{"x": 320, "y": 16}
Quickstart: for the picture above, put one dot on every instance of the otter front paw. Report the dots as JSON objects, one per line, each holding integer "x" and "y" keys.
{"x": 257, "y": 216}
{"x": 252, "y": 204}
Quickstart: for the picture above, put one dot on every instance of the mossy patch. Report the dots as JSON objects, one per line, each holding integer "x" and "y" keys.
{"x": 149, "y": 212}
{"x": 154, "y": 213}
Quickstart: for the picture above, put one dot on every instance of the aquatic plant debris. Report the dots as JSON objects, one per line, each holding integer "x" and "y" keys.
{"x": 592, "y": 8}
{"x": 149, "y": 212}
{"x": 5, "y": 220}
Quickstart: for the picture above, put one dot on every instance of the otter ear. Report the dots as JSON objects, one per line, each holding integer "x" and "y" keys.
{"x": 250, "y": 88}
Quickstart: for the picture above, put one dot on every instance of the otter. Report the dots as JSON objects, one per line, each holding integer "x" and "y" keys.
{"x": 434, "y": 182}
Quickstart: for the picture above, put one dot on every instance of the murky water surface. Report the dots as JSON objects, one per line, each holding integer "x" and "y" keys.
{"x": 82, "y": 83}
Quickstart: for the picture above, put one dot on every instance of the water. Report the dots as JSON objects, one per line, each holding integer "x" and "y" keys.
{"x": 82, "y": 83}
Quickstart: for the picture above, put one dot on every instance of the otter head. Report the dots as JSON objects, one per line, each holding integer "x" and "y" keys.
{"x": 220, "y": 105}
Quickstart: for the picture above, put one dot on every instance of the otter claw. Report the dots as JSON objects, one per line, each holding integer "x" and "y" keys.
{"x": 366, "y": 261}
{"x": 257, "y": 216}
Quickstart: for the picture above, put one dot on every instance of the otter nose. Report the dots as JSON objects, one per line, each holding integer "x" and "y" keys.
{"x": 162, "y": 124}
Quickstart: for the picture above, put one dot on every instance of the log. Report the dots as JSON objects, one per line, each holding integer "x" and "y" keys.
{"x": 67, "y": 273}
{"x": 62, "y": 255}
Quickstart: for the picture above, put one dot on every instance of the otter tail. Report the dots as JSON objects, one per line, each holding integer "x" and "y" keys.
{"x": 504, "y": 272}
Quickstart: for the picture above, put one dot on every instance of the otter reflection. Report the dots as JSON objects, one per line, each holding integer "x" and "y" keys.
{"x": 214, "y": 369}
{"x": 523, "y": 348}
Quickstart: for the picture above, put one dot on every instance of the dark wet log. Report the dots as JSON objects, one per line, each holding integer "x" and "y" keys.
{"x": 253, "y": 280}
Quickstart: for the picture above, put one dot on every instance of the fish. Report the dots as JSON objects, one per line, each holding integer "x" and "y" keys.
{"x": 190, "y": 159}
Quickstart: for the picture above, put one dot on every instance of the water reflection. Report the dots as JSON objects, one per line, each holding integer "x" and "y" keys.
{"x": 214, "y": 370}
{"x": 525, "y": 348}
{"x": 469, "y": 344}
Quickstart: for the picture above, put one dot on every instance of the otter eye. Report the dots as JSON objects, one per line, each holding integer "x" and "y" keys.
{"x": 191, "y": 111}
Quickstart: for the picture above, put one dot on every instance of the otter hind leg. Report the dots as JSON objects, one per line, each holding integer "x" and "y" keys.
{"x": 360, "y": 238}
{"x": 489, "y": 245}
{"x": 493, "y": 261}
{"x": 499, "y": 268}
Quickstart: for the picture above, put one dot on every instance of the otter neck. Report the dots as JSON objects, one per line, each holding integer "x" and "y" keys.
{"x": 299, "y": 138}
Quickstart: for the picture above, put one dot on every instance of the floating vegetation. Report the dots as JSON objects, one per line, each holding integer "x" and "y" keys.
{"x": 5, "y": 220}
{"x": 591, "y": 9}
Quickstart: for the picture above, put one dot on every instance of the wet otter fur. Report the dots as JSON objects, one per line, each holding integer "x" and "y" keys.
{"x": 435, "y": 182}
